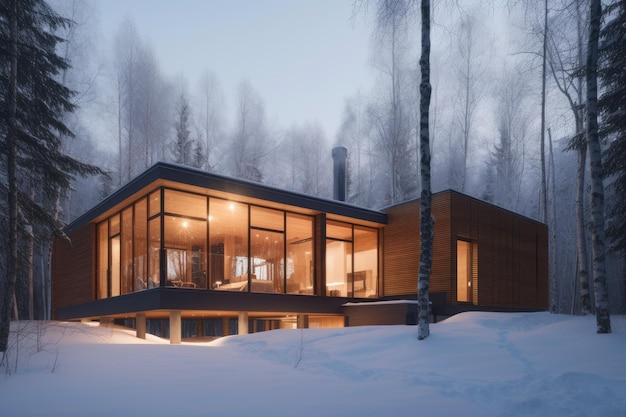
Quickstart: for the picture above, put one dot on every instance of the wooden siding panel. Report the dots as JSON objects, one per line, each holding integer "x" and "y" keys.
{"x": 486, "y": 245}
{"x": 511, "y": 267}
{"x": 73, "y": 269}
{"x": 442, "y": 278}
{"x": 402, "y": 247}
{"x": 401, "y": 251}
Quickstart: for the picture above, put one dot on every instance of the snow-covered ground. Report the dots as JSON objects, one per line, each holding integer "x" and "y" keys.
{"x": 474, "y": 364}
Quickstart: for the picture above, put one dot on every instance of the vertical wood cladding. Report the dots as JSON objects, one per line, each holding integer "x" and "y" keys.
{"x": 511, "y": 252}
{"x": 402, "y": 248}
{"x": 73, "y": 269}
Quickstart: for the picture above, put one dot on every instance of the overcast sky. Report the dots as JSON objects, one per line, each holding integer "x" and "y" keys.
{"x": 303, "y": 57}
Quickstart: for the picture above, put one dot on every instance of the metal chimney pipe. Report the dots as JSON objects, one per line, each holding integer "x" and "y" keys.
{"x": 339, "y": 173}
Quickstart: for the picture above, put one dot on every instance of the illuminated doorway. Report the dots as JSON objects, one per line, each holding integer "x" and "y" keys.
{"x": 466, "y": 271}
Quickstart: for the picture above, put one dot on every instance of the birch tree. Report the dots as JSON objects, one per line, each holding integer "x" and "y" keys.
{"x": 426, "y": 218}
{"x": 385, "y": 9}
{"x": 565, "y": 58}
{"x": 603, "y": 318}
{"x": 389, "y": 115}
{"x": 468, "y": 73}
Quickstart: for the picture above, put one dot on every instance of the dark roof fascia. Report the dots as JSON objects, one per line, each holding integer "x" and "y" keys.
{"x": 196, "y": 177}
{"x": 451, "y": 191}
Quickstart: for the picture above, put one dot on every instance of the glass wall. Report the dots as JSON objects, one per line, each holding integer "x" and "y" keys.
{"x": 299, "y": 254}
{"x": 154, "y": 252}
{"x": 365, "y": 277}
{"x": 338, "y": 258}
{"x": 103, "y": 260}
{"x": 126, "y": 256}
{"x": 351, "y": 260}
{"x": 228, "y": 245}
{"x": 140, "y": 238}
{"x": 114, "y": 248}
{"x": 267, "y": 250}
{"x": 182, "y": 239}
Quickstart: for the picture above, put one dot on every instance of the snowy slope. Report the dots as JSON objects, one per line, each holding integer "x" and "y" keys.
{"x": 474, "y": 364}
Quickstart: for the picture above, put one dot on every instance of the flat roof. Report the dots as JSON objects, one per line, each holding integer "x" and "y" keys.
{"x": 189, "y": 176}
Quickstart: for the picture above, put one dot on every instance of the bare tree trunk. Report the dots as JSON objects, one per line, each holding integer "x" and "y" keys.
{"x": 31, "y": 273}
{"x": 581, "y": 234}
{"x": 11, "y": 143}
{"x": 426, "y": 219}
{"x": 603, "y": 318}
{"x": 119, "y": 129}
{"x": 581, "y": 239}
{"x": 553, "y": 232}
{"x": 544, "y": 189}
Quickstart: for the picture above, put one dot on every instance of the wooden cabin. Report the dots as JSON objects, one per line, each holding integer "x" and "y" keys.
{"x": 210, "y": 255}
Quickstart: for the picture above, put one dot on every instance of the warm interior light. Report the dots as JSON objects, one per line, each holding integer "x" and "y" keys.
{"x": 231, "y": 206}
{"x": 185, "y": 224}
{"x": 210, "y": 218}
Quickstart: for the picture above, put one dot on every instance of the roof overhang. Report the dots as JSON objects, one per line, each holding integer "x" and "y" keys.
{"x": 188, "y": 178}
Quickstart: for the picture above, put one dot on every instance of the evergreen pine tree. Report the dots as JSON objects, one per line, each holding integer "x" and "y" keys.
{"x": 612, "y": 109}
{"x": 182, "y": 146}
{"x": 32, "y": 102}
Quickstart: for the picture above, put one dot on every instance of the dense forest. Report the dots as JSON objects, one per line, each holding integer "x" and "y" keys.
{"x": 507, "y": 126}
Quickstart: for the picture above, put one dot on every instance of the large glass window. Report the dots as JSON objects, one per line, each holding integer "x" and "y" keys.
{"x": 299, "y": 254}
{"x": 364, "y": 281}
{"x": 267, "y": 250}
{"x": 115, "y": 265}
{"x": 103, "y": 259}
{"x": 338, "y": 267}
{"x": 154, "y": 251}
{"x": 351, "y": 260}
{"x": 228, "y": 245}
{"x": 140, "y": 236}
{"x": 185, "y": 245}
{"x": 183, "y": 239}
{"x": 185, "y": 204}
{"x": 266, "y": 218}
{"x": 267, "y": 257}
{"x": 114, "y": 236}
{"x": 126, "y": 261}
{"x": 155, "y": 202}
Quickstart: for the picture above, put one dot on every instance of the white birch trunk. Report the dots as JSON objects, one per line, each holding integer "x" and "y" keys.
{"x": 426, "y": 219}
{"x": 603, "y": 318}
{"x": 544, "y": 188}
{"x": 581, "y": 238}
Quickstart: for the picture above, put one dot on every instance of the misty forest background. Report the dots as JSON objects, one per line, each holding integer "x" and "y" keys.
{"x": 486, "y": 125}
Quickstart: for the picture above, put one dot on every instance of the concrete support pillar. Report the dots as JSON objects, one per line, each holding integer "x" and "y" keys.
{"x": 140, "y": 325}
{"x": 106, "y": 321}
{"x": 303, "y": 321}
{"x": 175, "y": 327}
{"x": 226, "y": 326}
{"x": 243, "y": 322}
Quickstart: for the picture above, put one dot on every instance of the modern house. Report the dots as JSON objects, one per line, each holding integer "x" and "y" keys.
{"x": 190, "y": 248}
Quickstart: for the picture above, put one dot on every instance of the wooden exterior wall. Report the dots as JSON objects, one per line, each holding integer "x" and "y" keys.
{"x": 73, "y": 269}
{"x": 512, "y": 252}
{"x": 402, "y": 247}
